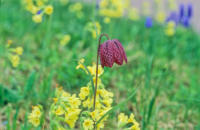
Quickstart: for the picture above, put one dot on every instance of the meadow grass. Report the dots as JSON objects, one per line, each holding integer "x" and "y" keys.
{"x": 164, "y": 70}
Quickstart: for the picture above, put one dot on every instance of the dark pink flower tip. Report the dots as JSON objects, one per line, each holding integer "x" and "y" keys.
{"x": 112, "y": 52}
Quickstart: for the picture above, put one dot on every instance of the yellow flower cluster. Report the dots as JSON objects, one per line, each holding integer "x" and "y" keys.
{"x": 14, "y": 53}
{"x": 38, "y": 8}
{"x": 77, "y": 9}
{"x": 103, "y": 98}
{"x": 170, "y": 29}
{"x": 65, "y": 40}
{"x": 66, "y": 106}
{"x": 123, "y": 120}
{"x": 112, "y": 8}
{"x": 35, "y": 115}
{"x": 93, "y": 28}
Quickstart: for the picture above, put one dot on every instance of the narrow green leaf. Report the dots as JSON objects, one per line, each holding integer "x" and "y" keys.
{"x": 30, "y": 84}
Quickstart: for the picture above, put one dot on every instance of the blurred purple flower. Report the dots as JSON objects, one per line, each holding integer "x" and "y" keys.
{"x": 148, "y": 22}
{"x": 39, "y": 12}
{"x": 186, "y": 22}
{"x": 190, "y": 11}
{"x": 173, "y": 17}
{"x": 181, "y": 12}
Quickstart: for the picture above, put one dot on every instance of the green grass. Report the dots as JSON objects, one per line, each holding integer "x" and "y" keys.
{"x": 165, "y": 70}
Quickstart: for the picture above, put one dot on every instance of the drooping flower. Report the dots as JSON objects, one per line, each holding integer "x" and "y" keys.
{"x": 112, "y": 52}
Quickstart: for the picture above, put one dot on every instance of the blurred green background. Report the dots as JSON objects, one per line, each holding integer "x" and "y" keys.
{"x": 165, "y": 69}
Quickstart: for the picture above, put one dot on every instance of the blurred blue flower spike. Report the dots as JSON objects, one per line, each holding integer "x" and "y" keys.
{"x": 173, "y": 17}
{"x": 190, "y": 11}
{"x": 148, "y": 22}
{"x": 181, "y": 12}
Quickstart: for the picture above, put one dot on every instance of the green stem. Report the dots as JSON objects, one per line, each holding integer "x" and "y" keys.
{"x": 95, "y": 90}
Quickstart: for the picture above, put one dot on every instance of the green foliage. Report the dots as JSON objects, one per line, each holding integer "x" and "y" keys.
{"x": 165, "y": 69}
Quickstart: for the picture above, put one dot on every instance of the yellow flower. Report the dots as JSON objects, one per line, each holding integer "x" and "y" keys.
{"x": 37, "y": 18}
{"x": 123, "y": 119}
{"x": 97, "y": 30}
{"x": 160, "y": 17}
{"x": 170, "y": 29}
{"x": 34, "y": 121}
{"x": 108, "y": 102}
{"x": 105, "y": 94}
{"x": 106, "y": 20}
{"x": 80, "y": 64}
{"x": 39, "y": 3}
{"x": 33, "y": 9}
{"x": 88, "y": 103}
{"x": 95, "y": 115}
{"x": 94, "y": 29}
{"x": 131, "y": 118}
{"x": 15, "y": 60}
{"x": 100, "y": 125}
{"x": 146, "y": 8}
{"x": 172, "y": 4}
{"x": 75, "y": 7}
{"x": 9, "y": 43}
{"x": 98, "y": 80}
{"x": 55, "y": 100}
{"x": 34, "y": 116}
{"x": 171, "y": 24}
{"x": 19, "y": 50}
{"x": 112, "y": 8}
{"x": 59, "y": 111}
{"x": 64, "y": 2}
{"x": 133, "y": 14}
{"x": 74, "y": 101}
{"x": 134, "y": 127}
{"x": 71, "y": 116}
{"x": 61, "y": 128}
{"x": 88, "y": 124}
{"x": 92, "y": 70}
{"x": 48, "y": 9}
{"x": 84, "y": 92}
{"x": 65, "y": 40}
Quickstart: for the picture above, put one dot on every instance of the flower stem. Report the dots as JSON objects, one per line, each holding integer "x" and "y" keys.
{"x": 97, "y": 64}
